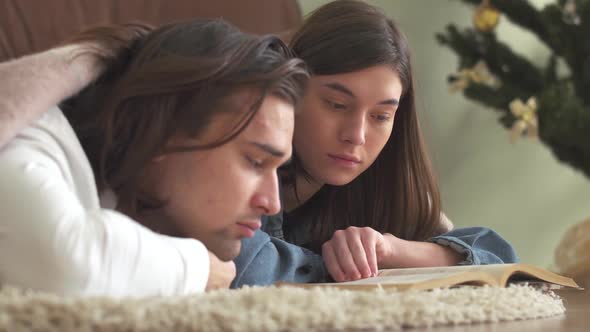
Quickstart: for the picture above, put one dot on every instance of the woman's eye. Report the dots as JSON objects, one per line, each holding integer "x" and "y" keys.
{"x": 382, "y": 117}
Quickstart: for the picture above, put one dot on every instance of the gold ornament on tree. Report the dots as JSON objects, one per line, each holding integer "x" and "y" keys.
{"x": 486, "y": 17}
{"x": 526, "y": 119}
{"x": 477, "y": 74}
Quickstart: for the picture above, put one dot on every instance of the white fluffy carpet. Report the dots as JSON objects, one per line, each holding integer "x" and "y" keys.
{"x": 275, "y": 309}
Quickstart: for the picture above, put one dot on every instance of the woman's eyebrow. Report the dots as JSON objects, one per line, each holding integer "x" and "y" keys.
{"x": 392, "y": 101}
{"x": 341, "y": 88}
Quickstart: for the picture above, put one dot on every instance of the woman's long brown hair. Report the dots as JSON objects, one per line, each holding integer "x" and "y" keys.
{"x": 398, "y": 194}
{"x": 169, "y": 81}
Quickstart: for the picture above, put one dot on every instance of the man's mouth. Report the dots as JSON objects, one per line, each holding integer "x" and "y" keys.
{"x": 248, "y": 228}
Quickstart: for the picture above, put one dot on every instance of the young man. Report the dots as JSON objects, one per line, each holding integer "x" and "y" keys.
{"x": 173, "y": 151}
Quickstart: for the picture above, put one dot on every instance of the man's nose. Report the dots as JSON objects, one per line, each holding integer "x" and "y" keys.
{"x": 267, "y": 200}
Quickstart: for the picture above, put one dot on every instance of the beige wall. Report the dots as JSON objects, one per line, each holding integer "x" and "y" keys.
{"x": 518, "y": 190}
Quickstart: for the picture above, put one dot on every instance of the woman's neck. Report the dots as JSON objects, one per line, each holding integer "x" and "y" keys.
{"x": 305, "y": 187}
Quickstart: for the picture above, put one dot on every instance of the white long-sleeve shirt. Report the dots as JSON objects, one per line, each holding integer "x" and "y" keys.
{"x": 55, "y": 236}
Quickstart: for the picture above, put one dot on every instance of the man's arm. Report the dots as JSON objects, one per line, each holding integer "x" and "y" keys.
{"x": 32, "y": 84}
{"x": 54, "y": 236}
{"x": 57, "y": 245}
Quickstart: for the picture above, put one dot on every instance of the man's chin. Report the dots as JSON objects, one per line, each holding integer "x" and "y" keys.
{"x": 227, "y": 251}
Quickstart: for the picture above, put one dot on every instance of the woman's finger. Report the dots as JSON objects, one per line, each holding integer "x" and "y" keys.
{"x": 358, "y": 251}
{"x": 331, "y": 263}
{"x": 370, "y": 241}
{"x": 344, "y": 255}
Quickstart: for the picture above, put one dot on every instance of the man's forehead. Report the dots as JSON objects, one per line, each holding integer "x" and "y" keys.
{"x": 258, "y": 133}
{"x": 272, "y": 127}
{"x": 275, "y": 117}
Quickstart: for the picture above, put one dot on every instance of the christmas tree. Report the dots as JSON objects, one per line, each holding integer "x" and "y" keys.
{"x": 539, "y": 101}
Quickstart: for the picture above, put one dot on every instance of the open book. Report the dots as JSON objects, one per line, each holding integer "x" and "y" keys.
{"x": 449, "y": 276}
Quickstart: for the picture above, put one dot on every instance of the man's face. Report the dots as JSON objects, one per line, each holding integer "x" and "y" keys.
{"x": 218, "y": 195}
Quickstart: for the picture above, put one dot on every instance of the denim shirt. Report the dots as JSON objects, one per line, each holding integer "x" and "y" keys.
{"x": 267, "y": 258}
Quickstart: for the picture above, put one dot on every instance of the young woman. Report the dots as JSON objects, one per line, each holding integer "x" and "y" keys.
{"x": 174, "y": 149}
{"x": 360, "y": 190}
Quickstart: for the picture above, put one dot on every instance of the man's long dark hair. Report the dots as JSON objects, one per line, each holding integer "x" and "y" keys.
{"x": 168, "y": 81}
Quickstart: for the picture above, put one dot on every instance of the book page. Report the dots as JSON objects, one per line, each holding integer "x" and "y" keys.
{"x": 494, "y": 270}
{"x": 500, "y": 273}
{"x": 414, "y": 281}
{"x": 526, "y": 272}
{"x": 448, "y": 276}
{"x": 404, "y": 278}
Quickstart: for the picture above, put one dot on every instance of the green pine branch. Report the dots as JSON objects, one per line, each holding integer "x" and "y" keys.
{"x": 564, "y": 126}
{"x": 522, "y": 13}
{"x": 525, "y": 79}
{"x": 564, "y": 39}
{"x": 561, "y": 34}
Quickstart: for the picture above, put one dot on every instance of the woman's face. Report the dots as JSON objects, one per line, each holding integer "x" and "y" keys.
{"x": 344, "y": 122}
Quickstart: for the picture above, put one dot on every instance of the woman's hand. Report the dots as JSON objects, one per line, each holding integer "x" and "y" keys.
{"x": 355, "y": 253}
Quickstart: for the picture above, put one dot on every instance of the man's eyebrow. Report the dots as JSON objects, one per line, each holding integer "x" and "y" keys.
{"x": 268, "y": 149}
{"x": 341, "y": 88}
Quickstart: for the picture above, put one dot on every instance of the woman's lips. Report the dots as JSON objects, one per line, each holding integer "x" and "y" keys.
{"x": 345, "y": 160}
